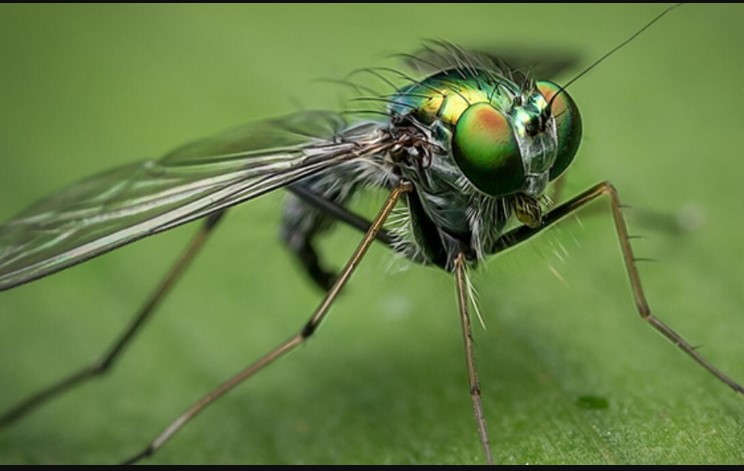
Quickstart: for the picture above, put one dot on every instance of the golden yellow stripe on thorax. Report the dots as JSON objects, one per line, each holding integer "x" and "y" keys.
{"x": 448, "y": 104}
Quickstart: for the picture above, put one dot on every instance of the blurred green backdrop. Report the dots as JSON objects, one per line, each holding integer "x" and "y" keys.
{"x": 86, "y": 88}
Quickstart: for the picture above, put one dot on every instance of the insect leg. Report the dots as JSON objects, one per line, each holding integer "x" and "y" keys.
{"x": 104, "y": 364}
{"x": 300, "y": 226}
{"x": 318, "y": 202}
{"x": 672, "y": 223}
{"x": 475, "y": 393}
{"x": 523, "y": 233}
{"x": 292, "y": 342}
{"x": 335, "y": 210}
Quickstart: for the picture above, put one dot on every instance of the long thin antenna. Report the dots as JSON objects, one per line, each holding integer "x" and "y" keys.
{"x": 612, "y": 51}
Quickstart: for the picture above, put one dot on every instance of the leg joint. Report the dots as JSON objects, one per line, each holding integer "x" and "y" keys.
{"x": 308, "y": 330}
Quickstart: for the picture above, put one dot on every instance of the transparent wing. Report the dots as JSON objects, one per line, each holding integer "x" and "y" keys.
{"x": 122, "y": 205}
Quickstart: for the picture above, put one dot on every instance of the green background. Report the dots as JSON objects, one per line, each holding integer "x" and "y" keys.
{"x": 86, "y": 88}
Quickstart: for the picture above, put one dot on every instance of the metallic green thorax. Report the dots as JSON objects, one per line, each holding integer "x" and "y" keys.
{"x": 445, "y": 96}
{"x": 505, "y": 139}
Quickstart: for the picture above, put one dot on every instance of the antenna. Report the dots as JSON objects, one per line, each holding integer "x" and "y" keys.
{"x": 611, "y": 52}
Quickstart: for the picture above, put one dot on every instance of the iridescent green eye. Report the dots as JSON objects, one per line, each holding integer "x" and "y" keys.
{"x": 567, "y": 123}
{"x": 487, "y": 152}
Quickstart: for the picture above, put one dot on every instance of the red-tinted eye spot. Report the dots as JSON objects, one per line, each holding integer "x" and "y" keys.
{"x": 486, "y": 121}
{"x": 567, "y": 122}
{"x": 548, "y": 90}
{"x": 486, "y": 150}
{"x": 487, "y": 118}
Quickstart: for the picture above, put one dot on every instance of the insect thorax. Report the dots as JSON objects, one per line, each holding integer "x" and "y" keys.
{"x": 448, "y": 213}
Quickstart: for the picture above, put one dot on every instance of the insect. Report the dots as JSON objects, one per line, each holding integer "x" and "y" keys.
{"x": 409, "y": 147}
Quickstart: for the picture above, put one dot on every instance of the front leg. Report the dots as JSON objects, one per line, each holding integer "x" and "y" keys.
{"x": 523, "y": 233}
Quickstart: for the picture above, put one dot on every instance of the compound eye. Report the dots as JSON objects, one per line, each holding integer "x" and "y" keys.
{"x": 486, "y": 151}
{"x": 567, "y": 123}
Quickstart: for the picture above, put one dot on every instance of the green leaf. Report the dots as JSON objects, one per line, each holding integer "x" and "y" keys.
{"x": 569, "y": 373}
